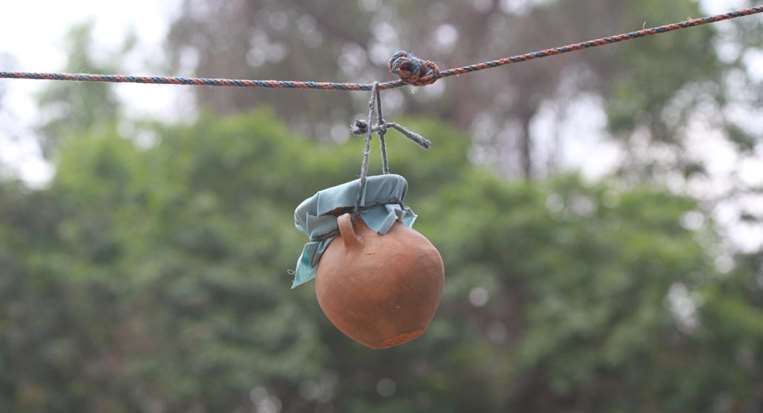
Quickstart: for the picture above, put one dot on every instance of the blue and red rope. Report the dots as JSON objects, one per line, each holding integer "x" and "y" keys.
{"x": 410, "y": 69}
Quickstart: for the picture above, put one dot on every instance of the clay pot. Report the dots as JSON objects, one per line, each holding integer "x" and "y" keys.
{"x": 380, "y": 290}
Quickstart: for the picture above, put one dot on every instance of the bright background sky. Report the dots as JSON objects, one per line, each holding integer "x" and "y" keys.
{"x": 33, "y": 31}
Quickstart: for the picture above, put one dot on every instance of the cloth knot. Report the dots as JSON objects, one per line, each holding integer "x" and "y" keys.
{"x": 413, "y": 70}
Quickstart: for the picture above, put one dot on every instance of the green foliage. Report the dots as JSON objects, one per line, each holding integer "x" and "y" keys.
{"x": 73, "y": 108}
{"x": 155, "y": 279}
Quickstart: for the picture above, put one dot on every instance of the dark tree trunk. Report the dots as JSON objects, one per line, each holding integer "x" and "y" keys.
{"x": 525, "y": 145}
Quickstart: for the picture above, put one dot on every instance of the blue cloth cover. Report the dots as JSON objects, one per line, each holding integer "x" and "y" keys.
{"x": 382, "y": 207}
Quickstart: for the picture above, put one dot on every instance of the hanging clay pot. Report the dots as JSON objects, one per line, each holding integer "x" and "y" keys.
{"x": 377, "y": 280}
{"x": 380, "y": 290}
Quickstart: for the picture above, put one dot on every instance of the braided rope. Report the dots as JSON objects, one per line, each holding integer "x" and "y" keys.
{"x": 410, "y": 69}
{"x": 603, "y": 41}
{"x": 193, "y": 81}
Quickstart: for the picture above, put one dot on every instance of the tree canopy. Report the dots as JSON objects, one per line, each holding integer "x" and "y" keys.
{"x": 155, "y": 279}
{"x": 152, "y": 273}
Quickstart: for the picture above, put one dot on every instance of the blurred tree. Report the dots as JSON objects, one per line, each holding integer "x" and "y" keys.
{"x": 651, "y": 89}
{"x": 280, "y": 40}
{"x": 731, "y": 334}
{"x": 72, "y": 108}
{"x": 155, "y": 279}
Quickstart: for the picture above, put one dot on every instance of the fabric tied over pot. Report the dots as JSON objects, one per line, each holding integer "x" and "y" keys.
{"x": 317, "y": 216}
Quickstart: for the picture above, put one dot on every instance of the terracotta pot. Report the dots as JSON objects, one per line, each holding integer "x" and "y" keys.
{"x": 380, "y": 290}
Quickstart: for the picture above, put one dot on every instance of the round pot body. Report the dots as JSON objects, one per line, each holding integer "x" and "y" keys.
{"x": 380, "y": 290}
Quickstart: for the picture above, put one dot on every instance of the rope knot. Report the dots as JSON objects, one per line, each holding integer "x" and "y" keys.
{"x": 413, "y": 70}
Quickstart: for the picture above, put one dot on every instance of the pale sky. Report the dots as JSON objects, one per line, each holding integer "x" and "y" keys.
{"x": 32, "y": 31}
